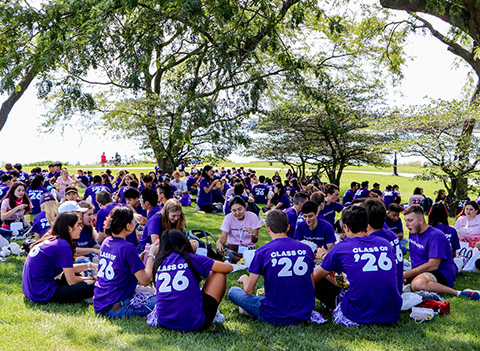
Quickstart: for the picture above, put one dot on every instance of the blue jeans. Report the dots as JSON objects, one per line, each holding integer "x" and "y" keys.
{"x": 249, "y": 303}
{"x": 124, "y": 309}
{"x": 403, "y": 244}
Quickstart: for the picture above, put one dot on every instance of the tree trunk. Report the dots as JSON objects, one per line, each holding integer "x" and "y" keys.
{"x": 14, "y": 97}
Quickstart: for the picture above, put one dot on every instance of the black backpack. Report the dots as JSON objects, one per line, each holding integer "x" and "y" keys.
{"x": 206, "y": 241}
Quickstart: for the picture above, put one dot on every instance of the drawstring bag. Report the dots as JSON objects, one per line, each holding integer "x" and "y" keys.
{"x": 186, "y": 200}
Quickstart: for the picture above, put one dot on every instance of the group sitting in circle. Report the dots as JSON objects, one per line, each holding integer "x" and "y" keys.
{"x": 124, "y": 245}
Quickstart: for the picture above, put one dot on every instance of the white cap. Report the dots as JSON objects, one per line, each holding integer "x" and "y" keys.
{"x": 71, "y": 206}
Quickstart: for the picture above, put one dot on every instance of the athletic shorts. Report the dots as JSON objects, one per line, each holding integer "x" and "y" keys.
{"x": 209, "y": 308}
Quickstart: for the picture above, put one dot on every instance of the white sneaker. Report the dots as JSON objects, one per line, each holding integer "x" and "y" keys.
{"x": 15, "y": 249}
{"x": 219, "y": 318}
{"x": 4, "y": 251}
{"x": 243, "y": 312}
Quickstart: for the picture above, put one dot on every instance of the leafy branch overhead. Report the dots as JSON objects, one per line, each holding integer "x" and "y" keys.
{"x": 183, "y": 75}
{"x": 435, "y": 131}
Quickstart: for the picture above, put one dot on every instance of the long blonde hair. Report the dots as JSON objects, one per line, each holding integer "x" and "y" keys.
{"x": 51, "y": 210}
{"x": 173, "y": 205}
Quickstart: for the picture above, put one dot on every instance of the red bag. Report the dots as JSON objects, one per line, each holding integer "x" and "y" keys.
{"x": 437, "y": 306}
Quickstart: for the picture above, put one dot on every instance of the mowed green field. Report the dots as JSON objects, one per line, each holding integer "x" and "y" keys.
{"x": 24, "y": 325}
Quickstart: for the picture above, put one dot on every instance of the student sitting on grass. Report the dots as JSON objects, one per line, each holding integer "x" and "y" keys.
{"x": 376, "y": 219}
{"x": 312, "y": 229}
{"x": 15, "y": 205}
{"x": 44, "y": 220}
{"x": 132, "y": 199}
{"x": 122, "y": 187}
{"x": 240, "y": 228}
{"x": 286, "y": 266}
{"x": 331, "y": 203}
{"x": 170, "y": 217}
{"x": 181, "y": 304}
{"x": 49, "y": 274}
{"x": 206, "y": 186}
{"x": 433, "y": 268}
{"x": 34, "y": 193}
{"x": 92, "y": 191}
{"x": 120, "y": 269}
{"x": 293, "y": 212}
{"x": 393, "y": 222}
{"x": 71, "y": 194}
{"x": 369, "y": 263}
{"x": 86, "y": 244}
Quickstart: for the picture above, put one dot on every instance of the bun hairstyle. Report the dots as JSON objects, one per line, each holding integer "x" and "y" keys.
{"x": 117, "y": 220}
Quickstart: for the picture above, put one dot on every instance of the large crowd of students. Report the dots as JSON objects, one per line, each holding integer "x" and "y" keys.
{"x": 124, "y": 244}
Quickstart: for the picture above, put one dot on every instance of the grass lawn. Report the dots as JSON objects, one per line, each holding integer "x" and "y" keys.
{"x": 24, "y": 325}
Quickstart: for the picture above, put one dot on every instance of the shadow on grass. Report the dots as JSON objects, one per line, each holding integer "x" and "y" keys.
{"x": 58, "y": 308}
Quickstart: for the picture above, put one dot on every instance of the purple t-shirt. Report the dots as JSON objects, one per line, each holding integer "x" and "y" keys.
{"x": 140, "y": 210}
{"x": 92, "y": 191}
{"x": 321, "y": 235}
{"x": 4, "y": 188}
{"x": 260, "y": 192}
{"x": 203, "y": 197}
{"x": 285, "y": 200}
{"x": 52, "y": 175}
{"x": 179, "y": 298}
{"x": 286, "y": 266}
{"x": 433, "y": 243}
{"x": 86, "y": 238}
{"x": 451, "y": 235}
{"x": 117, "y": 265}
{"x": 153, "y": 186}
{"x": 153, "y": 226}
{"x": 34, "y": 196}
{"x": 389, "y": 197}
{"x": 393, "y": 239}
{"x": 348, "y": 196}
{"x": 396, "y": 227}
{"x": 120, "y": 194}
{"x": 40, "y": 224}
{"x": 329, "y": 211}
{"x": 292, "y": 220}
{"x": 44, "y": 262}
{"x": 190, "y": 180}
{"x": 24, "y": 177}
{"x": 361, "y": 193}
{"x": 84, "y": 180}
{"x": 103, "y": 214}
{"x": 369, "y": 263}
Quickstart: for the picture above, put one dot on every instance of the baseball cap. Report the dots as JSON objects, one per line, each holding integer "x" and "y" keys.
{"x": 47, "y": 197}
{"x": 71, "y": 206}
{"x": 70, "y": 189}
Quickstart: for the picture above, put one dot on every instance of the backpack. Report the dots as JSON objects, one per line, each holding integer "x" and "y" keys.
{"x": 206, "y": 241}
{"x": 427, "y": 204}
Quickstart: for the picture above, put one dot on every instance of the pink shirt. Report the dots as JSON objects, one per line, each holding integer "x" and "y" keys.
{"x": 467, "y": 228}
{"x": 234, "y": 228}
{"x": 62, "y": 184}
{"x": 16, "y": 216}
{"x": 415, "y": 200}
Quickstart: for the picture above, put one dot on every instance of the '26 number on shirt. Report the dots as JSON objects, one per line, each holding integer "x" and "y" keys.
{"x": 372, "y": 265}
{"x": 106, "y": 269}
{"x": 299, "y": 268}
{"x": 179, "y": 283}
